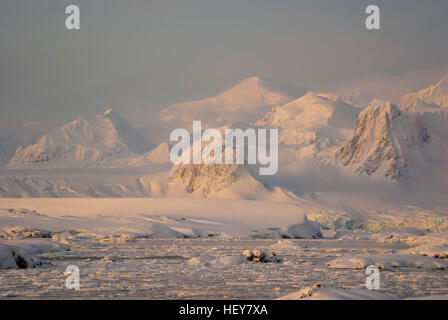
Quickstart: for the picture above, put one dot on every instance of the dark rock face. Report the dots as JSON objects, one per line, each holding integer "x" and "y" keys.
{"x": 208, "y": 178}
{"x": 386, "y": 138}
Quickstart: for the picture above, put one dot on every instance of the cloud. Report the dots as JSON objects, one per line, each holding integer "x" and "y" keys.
{"x": 387, "y": 86}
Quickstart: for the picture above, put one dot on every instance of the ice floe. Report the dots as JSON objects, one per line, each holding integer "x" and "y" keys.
{"x": 11, "y": 233}
{"x": 157, "y": 218}
{"x": 21, "y": 254}
{"x": 318, "y": 292}
{"x": 430, "y": 250}
{"x": 387, "y": 261}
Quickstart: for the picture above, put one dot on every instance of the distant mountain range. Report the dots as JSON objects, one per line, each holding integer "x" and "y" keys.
{"x": 382, "y": 140}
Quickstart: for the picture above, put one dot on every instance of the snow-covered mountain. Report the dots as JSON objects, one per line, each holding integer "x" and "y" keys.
{"x": 315, "y": 123}
{"x": 245, "y": 103}
{"x": 206, "y": 179}
{"x": 82, "y": 142}
{"x": 429, "y": 99}
{"x": 394, "y": 143}
{"x": 12, "y": 135}
{"x": 224, "y": 181}
{"x": 232, "y": 181}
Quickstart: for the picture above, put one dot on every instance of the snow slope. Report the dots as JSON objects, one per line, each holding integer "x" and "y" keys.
{"x": 387, "y": 261}
{"x": 243, "y": 103}
{"x": 159, "y": 154}
{"x": 317, "y": 292}
{"x": 83, "y": 141}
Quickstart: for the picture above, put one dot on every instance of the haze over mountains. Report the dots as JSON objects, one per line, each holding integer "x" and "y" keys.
{"x": 244, "y": 103}
{"x": 318, "y": 132}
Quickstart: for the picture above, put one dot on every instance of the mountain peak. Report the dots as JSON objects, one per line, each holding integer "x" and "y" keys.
{"x": 251, "y": 80}
{"x": 385, "y": 108}
{"x": 311, "y": 111}
{"x": 85, "y": 140}
{"x": 243, "y": 103}
{"x": 251, "y": 85}
{"x": 113, "y": 116}
{"x": 443, "y": 83}
{"x": 428, "y": 99}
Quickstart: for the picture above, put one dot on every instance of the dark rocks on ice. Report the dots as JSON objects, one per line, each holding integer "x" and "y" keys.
{"x": 260, "y": 256}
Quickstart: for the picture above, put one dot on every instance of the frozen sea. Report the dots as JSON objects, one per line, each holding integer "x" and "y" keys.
{"x": 158, "y": 269}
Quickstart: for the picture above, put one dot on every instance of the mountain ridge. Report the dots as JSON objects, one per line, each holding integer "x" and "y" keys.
{"x": 431, "y": 98}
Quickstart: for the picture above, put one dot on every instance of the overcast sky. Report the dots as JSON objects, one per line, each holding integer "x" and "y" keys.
{"x": 148, "y": 54}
